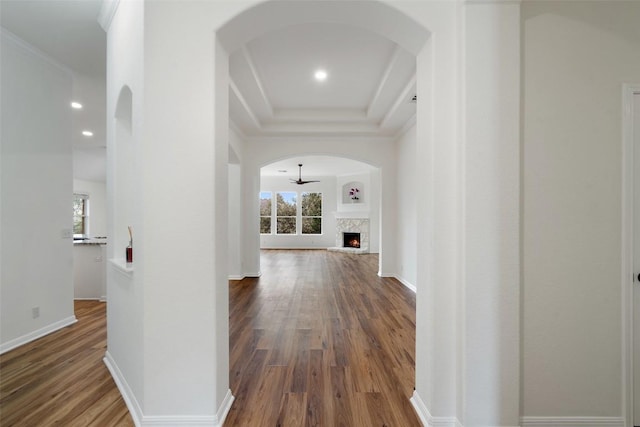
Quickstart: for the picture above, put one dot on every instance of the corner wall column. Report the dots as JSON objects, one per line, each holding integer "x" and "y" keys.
{"x": 490, "y": 303}
{"x": 184, "y": 250}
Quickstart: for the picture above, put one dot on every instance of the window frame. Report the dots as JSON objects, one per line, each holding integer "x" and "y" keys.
{"x": 84, "y": 215}
{"x": 299, "y": 218}
{"x": 295, "y": 217}
{"x": 271, "y": 216}
{"x": 302, "y": 216}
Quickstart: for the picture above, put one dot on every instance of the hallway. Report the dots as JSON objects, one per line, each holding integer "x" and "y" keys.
{"x": 60, "y": 379}
{"x": 320, "y": 339}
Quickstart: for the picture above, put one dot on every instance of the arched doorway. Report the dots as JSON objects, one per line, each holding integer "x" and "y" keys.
{"x": 254, "y": 23}
{"x": 200, "y": 142}
{"x": 334, "y": 177}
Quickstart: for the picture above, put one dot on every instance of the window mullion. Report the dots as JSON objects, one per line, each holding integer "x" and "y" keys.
{"x": 299, "y": 214}
{"x": 274, "y": 215}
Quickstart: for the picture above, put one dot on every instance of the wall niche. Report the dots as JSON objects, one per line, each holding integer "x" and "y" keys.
{"x": 353, "y": 192}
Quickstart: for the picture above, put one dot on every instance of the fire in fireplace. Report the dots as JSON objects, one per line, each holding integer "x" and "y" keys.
{"x": 351, "y": 240}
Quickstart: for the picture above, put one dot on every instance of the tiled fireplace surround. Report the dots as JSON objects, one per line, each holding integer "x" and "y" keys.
{"x": 352, "y": 225}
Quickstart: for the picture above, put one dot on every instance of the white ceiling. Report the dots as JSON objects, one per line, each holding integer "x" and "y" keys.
{"x": 315, "y": 166}
{"x": 367, "y": 93}
{"x": 68, "y": 32}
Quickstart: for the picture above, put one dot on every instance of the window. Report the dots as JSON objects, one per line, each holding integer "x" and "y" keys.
{"x": 265, "y": 212}
{"x": 286, "y": 212}
{"x": 311, "y": 213}
{"x": 80, "y": 214}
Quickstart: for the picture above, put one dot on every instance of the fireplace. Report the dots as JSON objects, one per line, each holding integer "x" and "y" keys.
{"x": 352, "y": 235}
{"x": 351, "y": 240}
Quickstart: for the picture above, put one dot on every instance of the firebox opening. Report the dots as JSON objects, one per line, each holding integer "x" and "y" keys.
{"x": 351, "y": 240}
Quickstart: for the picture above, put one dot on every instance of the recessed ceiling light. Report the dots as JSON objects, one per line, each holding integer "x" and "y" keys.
{"x": 87, "y": 133}
{"x": 76, "y": 105}
{"x": 320, "y": 75}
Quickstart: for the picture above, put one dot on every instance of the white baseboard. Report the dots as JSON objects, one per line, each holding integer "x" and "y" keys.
{"x": 233, "y": 277}
{"x": 141, "y": 420}
{"x": 224, "y": 408}
{"x": 429, "y": 420}
{"x": 31, "y": 336}
{"x": 252, "y": 274}
{"x": 180, "y": 421}
{"x": 572, "y": 422}
{"x": 405, "y": 283}
{"x": 127, "y": 394}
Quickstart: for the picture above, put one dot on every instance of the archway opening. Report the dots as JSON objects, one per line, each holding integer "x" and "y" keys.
{"x": 268, "y": 139}
{"x": 308, "y": 206}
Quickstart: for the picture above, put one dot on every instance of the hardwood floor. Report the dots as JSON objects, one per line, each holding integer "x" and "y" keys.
{"x": 321, "y": 340}
{"x": 318, "y": 340}
{"x": 60, "y": 379}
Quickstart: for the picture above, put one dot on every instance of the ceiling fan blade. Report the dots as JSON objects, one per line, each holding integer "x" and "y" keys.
{"x": 299, "y": 181}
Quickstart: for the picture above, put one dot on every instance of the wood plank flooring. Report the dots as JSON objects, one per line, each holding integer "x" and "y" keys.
{"x": 318, "y": 340}
{"x": 321, "y": 340}
{"x": 61, "y": 380}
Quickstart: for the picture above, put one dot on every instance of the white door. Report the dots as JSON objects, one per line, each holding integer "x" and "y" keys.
{"x": 636, "y": 261}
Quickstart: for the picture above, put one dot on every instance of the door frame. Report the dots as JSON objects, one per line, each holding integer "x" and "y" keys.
{"x": 628, "y": 92}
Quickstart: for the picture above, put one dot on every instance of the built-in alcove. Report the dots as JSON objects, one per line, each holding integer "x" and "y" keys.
{"x": 353, "y": 192}
{"x": 124, "y": 177}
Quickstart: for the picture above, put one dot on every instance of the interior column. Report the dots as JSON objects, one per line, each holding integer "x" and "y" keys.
{"x": 490, "y": 303}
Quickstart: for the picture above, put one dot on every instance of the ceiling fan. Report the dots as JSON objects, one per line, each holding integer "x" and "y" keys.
{"x": 299, "y": 181}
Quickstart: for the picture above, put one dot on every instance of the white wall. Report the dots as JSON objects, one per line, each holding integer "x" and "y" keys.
{"x": 490, "y": 229}
{"x": 37, "y": 194}
{"x": 576, "y": 57}
{"x": 235, "y": 209}
{"x": 89, "y": 271}
{"x": 97, "y": 192}
{"x": 407, "y": 215}
{"x": 235, "y": 223}
{"x": 326, "y": 186}
{"x": 125, "y": 290}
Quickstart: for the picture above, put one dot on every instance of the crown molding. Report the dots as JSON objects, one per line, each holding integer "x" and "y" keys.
{"x": 107, "y": 12}
{"x": 17, "y": 41}
{"x": 407, "y": 125}
{"x": 317, "y": 139}
{"x": 319, "y": 115}
{"x": 238, "y": 130}
{"x": 405, "y": 96}
{"x": 257, "y": 80}
{"x": 235, "y": 91}
{"x": 385, "y": 79}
